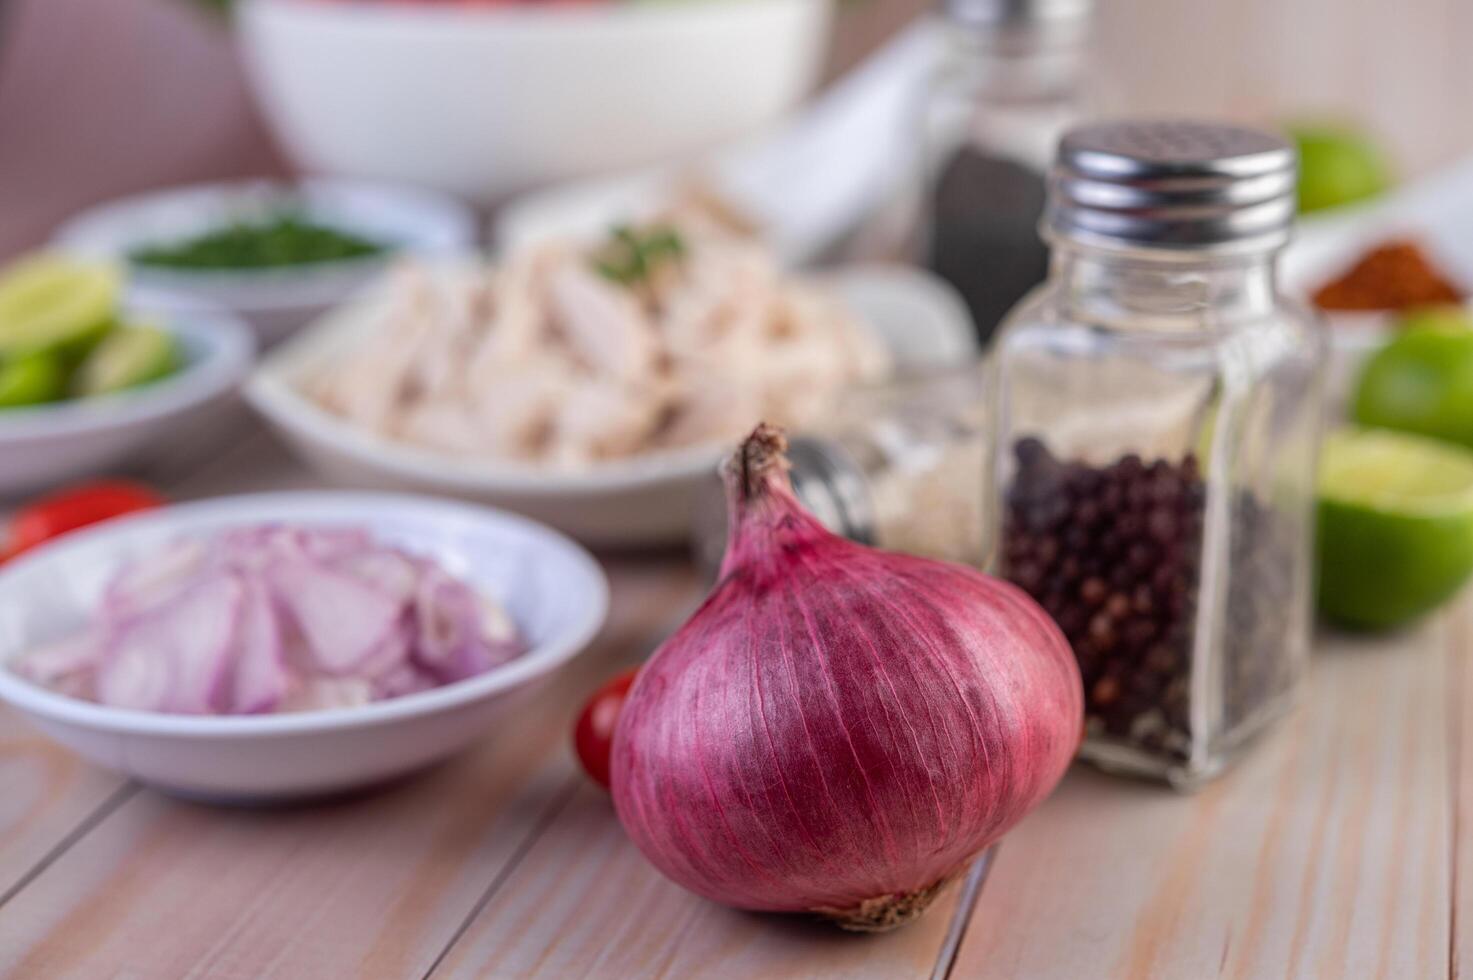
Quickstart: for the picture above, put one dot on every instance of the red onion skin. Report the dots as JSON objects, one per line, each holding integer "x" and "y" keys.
{"x": 840, "y": 729}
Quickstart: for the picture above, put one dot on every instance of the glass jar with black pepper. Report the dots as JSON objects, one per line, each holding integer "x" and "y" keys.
{"x": 1158, "y": 421}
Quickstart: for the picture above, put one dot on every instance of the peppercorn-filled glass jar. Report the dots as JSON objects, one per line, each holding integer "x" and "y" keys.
{"x": 1005, "y": 89}
{"x": 1158, "y": 425}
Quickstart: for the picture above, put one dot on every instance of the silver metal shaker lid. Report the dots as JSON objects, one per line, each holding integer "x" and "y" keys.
{"x": 1172, "y": 185}
{"x": 1017, "y": 13}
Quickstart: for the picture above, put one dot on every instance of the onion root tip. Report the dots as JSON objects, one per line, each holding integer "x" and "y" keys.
{"x": 885, "y": 912}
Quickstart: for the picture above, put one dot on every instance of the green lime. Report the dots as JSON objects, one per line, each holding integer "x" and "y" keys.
{"x": 1422, "y": 381}
{"x": 31, "y": 380}
{"x": 1447, "y": 318}
{"x": 1337, "y": 165}
{"x": 53, "y": 303}
{"x": 129, "y": 356}
{"x": 1395, "y": 526}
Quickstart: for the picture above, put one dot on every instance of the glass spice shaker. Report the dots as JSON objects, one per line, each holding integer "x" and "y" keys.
{"x": 1006, "y": 89}
{"x": 1158, "y": 416}
{"x": 901, "y": 466}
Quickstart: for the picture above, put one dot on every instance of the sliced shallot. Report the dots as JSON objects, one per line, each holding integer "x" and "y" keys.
{"x": 274, "y": 618}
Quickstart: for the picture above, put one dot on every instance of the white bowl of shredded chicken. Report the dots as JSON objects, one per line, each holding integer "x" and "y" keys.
{"x": 593, "y": 386}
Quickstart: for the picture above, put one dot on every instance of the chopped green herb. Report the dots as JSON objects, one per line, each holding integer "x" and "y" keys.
{"x": 279, "y": 240}
{"x": 631, "y": 256}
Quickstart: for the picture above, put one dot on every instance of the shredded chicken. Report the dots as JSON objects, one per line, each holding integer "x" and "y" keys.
{"x": 556, "y": 359}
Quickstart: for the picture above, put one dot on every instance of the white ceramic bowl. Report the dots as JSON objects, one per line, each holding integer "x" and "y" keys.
{"x": 273, "y": 301}
{"x": 824, "y": 179}
{"x": 642, "y": 500}
{"x": 554, "y": 591}
{"x": 1326, "y": 248}
{"x": 487, "y": 101}
{"x": 46, "y": 445}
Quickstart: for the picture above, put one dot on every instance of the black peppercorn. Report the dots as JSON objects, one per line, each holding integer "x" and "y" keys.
{"x": 1112, "y": 553}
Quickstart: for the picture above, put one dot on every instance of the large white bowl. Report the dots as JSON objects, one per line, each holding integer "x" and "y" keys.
{"x": 642, "y": 500}
{"x": 274, "y": 302}
{"x": 487, "y": 101}
{"x": 807, "y": 184}
{"x": 554, "y": 591}
{"x": 46, "y": 445}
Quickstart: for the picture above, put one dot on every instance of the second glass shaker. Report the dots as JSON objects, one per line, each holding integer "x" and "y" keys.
{"x": 1006, "y": 88}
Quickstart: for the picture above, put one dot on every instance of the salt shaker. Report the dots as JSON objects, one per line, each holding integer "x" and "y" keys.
{"x": 901, "y": 466}
{"x": 1158, "y": 421}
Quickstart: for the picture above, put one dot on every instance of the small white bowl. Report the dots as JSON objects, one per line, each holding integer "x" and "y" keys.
{"x": 642, "y": 500}
{"x": 554, "y": 591}
{"x": 273, "y": 301}
{"x": 1327, "y": 247}
{"x": 484, "y": 101}
{"x": 46, "y": 445}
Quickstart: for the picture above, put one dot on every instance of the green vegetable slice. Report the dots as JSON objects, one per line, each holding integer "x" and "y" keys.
{"x": 129, "y": 356}
{"x": 631, "y": 256}
{"x": 31, "y": 380}
{"x": 273, "y": 241}
{"x": 53, "y": 304}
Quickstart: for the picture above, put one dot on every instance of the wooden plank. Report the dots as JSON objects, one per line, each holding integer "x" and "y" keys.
{"x": 1325, "y": 854}
{"x": 255, "y": 462}
{"x": 49, "y": 796}
{"x": 585, "y": 903}
{"x": 368, "y": 887}
{"x": 1460, "y": 734}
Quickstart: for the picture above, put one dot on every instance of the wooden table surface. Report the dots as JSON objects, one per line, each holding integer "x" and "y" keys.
{"x": 1338, "y": 849}
{"x": 1335, "y": 850}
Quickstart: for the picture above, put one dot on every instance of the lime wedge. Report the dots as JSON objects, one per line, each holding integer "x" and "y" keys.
{"x": 129, "y": 356}
{"x": 1395, "y": 526}
{"x": 1338, "y": 165}
{"x": 1448, "y": 319}
{"x": 1422, "y": 382}
{"x": 51, "y": 303}
{"x": 31, "y": 380}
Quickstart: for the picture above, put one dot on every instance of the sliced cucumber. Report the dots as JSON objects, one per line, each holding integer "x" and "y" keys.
{"x": 31, "y": 380}
{"x": 55, "y": 304}
{"x": 129, "y": 356}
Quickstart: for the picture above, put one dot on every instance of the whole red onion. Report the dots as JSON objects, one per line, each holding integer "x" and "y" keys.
{"x": 839, "y": 729}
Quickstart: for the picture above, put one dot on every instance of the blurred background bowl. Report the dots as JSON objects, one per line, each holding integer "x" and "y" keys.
{"x": 553, "y": 589}
{"x": 272, "y": 301}
{"x": 43, "y": 446}
{"x": 488, "y": 101}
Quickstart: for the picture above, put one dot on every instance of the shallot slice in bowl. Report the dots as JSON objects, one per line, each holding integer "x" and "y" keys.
{"x": 456, "y": 640}
{"x": 344, "y": 622}
{"x": 261, "y": 679}
{"x": 175, "y": 656}
{"x": 62, "y": 664}
{"x": 155, "y": 580}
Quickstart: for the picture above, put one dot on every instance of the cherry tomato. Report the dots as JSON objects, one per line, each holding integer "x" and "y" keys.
{"x": 76, "y": 507}
{"x": 593, "y": 736}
